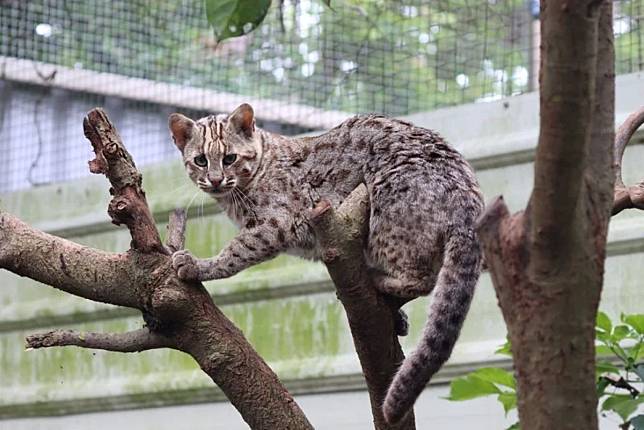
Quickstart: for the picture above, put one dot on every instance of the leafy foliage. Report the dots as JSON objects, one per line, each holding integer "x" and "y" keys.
{"x": 619, "y": 368}
{"x": 232, "y": 18}
{"x": 620, "y": 381}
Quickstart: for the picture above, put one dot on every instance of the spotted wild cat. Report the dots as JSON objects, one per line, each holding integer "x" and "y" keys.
{"x": 424, "y": 201}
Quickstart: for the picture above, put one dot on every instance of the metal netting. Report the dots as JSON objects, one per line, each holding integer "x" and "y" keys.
{"x": 311, "y": 65}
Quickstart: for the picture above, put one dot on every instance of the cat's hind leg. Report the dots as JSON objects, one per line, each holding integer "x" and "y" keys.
{"x": 401, "y": 323}
{"x": 400, "y": 289}
{"x": 405, "y": 285}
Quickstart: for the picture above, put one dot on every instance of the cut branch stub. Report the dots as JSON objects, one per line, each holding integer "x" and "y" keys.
{"x": 627, "y": 197}
{"x": 129, "y": 205}
{"x": 176, "y": 237}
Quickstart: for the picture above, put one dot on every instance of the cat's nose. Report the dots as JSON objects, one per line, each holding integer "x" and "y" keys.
{"x": 215, "y": 180}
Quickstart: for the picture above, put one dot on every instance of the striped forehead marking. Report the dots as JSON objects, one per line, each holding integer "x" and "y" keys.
{"x": 213, "y": 134}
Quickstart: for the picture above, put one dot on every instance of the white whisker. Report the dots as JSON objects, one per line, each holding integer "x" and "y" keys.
{"x": 203, "y": 197}
{"x": 191, "y": 200}
{"x": 250, "y": 206}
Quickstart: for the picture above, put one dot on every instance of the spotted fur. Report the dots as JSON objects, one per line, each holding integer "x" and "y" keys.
{"x": 424, "y": 201}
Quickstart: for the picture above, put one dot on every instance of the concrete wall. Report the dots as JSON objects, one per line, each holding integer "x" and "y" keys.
{"x": 286, "y": 307}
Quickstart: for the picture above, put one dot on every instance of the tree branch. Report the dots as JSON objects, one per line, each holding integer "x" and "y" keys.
{"x": 341, "y": 235}
{"x": 627, "y": 197}
{"x": 65, "y": 265}
{"x": 132, "y": 341}
{"x": 129, "y": 205}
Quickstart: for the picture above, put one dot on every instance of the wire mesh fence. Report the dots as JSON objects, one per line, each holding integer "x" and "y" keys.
{"x": 307, "y": 66}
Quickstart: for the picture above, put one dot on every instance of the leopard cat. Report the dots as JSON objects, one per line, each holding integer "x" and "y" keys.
{"x": 424, "y": 202}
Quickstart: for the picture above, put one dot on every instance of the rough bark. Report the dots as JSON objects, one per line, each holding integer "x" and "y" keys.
{"x": 181, "y": 315}
{"x": 341, "y": 235}
{"x": 547, "y": 262}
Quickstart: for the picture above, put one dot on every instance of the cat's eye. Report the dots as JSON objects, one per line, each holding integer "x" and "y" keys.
{"x": 201, "y": 160}
{"x": 229, "y": 159}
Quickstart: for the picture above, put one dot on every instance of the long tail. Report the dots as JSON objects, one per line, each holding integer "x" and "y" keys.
{"x": 452, "y": 297}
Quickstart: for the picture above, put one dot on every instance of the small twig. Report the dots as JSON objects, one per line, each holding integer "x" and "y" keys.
{"x": 132, "y": 341}
{"x": 619, "y": 382}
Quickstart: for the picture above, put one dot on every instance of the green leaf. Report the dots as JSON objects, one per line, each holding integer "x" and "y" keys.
{"x": 620, "y": 332}
{"x": 636, "y": 321}
{"x": 327, "y": 2}
{"x": 602, "y": 336}
{"x": 620, "y": 352}
{"x": 606, "y": 367}
{"x": 508, "y": 400}
{"x": 622, "y": 404}
{"x": 638, "y": 422}
{"x": 470, "y": 387}
{"x": 232, "y": 18}
{"x": 603, "y": 322}
{"x": 601, "y": 350}
{"x": 505, "y": 349}
{"x": 602, "y": 383}
{"x": 496, "y": 376}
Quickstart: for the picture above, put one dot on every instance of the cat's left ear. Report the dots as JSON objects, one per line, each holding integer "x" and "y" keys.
{"x": 242, "y": 120}
{"x": 181, "y": 128}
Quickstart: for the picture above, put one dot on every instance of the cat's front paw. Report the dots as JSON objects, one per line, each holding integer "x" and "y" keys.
{"x": 186, "y": 266}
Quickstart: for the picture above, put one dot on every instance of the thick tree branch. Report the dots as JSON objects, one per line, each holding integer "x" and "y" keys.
{"x": 129, "y": 205}
{"x": 627, "y": 197}
{"x": 65, "y": 265}
{"x": 133, "y": 341}
{"x": 341, "y": 235}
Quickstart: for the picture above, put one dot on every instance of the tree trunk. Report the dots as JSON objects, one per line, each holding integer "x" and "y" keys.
{"x": 547, "y": 262}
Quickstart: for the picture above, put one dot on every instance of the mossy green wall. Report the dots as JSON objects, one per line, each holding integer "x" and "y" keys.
{"x": 286, "y": 307}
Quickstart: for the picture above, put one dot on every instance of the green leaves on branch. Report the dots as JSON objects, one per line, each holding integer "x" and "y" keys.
{"x": 620, "y": 376}
{"x": 232, "y": 18}
{"x": 619, "y": 368}
{"x": 484, "y": 382}
{"x": 622, "y": 404}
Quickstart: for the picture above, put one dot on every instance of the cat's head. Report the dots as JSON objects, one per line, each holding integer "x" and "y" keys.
{"x": 220, "y": 152}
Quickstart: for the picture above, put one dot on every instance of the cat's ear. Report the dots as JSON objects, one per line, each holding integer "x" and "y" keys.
{"x": 242, "y": 120}
{"x": 181, "y": 128}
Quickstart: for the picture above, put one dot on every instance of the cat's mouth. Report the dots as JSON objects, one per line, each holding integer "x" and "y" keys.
{"x": 218, "y": 192}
